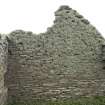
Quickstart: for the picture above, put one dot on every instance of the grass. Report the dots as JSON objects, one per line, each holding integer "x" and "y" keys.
{"x": 81, "y": 101}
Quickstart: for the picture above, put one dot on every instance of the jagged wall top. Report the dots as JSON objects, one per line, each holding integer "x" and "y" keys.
{"x": 67, "y": 56}
{"x": 66, "y": 16}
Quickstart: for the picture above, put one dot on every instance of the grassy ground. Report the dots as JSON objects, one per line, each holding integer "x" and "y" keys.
{"x": 81, "y": 101}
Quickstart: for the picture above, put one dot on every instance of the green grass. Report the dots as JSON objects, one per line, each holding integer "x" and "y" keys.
{"x": 80, "y": 101}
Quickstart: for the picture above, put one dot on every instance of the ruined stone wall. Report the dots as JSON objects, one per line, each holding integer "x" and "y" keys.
{"x": 3, "y": 69}
{"x": 64, "y": 62}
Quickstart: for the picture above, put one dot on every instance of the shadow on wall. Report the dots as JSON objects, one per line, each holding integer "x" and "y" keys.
{"x": 11, "y": 80}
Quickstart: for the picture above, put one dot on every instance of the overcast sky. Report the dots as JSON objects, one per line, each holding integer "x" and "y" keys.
{"x": 37, "y": 15}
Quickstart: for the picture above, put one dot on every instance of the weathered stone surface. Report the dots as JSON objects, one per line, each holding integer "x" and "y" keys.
{"x": 67, "y": 61}
{"x": 3, "y": 69}
{"x": 64, "y": 62}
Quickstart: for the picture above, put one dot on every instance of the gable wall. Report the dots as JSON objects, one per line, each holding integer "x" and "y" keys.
{"x": 64, "y": 62}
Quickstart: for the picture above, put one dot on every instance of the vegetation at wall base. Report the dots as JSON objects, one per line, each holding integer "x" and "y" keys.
{"x": 98, "y": 100}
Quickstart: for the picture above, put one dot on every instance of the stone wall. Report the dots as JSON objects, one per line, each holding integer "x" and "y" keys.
{"x": 64, "y": 62}
{"x": 3, "y": 69}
